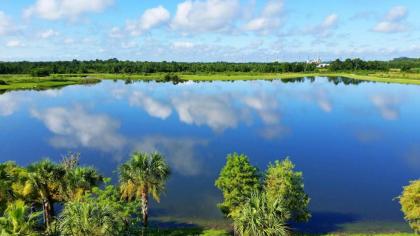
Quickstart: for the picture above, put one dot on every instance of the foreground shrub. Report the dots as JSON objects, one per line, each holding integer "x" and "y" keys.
{"x": 237, "y": 181}
{"x": 261, "y": 217}
{"x": 262, "y": 207}
{"x": 410, "y": 205}
{"x": 285, "y": 185}
{"x": 17, "y": 220}
{"x": 89, "y": 218}
{"x": 101, "y": 213}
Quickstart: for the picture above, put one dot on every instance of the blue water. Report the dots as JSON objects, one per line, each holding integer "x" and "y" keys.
{"x": 356, "y": 144}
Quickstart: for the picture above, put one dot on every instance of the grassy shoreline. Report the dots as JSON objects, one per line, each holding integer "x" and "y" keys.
{"x": 27, "y": 82}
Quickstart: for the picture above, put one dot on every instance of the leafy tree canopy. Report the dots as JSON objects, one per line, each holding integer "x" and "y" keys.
{"x": 237, "y": 180}
{"x": 410, "y": 204}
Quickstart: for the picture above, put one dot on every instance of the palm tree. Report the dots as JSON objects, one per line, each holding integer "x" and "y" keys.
{"x": 260, "y": 217}
{"x": 78, "y": 181}
{"x": 142, "y": 175}
{"x": 45, "y": 179}
{"x": 17, "y": 220}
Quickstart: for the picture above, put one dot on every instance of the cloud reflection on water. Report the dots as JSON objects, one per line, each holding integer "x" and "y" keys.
{"x": 387, "y": 105}
{"x": 215, "y": 111}
{"x": 9, "y": 104}
{"x": 180, "y": 152}
{"x": 74, "y": 127}
{"x": 218, "y": 111}
{"x": 153, "y": 107}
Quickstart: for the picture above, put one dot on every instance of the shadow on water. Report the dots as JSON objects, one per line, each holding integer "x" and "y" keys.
{"x": 170, "y": 223}
{"x": 325, "y": 222}
{"x": 155, "y": 223}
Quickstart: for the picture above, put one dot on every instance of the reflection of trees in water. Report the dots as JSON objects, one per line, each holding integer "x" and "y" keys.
{"x": 334, "y": 80}
{"x": 344, "y": 80}
{"x": 175, "y": 79}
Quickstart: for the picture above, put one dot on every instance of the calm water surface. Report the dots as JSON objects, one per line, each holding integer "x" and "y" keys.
{"x": 356, "y": 144}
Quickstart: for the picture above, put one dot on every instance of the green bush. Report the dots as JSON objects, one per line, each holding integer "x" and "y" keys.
{"x": 172, "y": 78}
{"x": 40, "y": 72}
{"x": 410, "y": 205}
{"x": 237, "y": 180}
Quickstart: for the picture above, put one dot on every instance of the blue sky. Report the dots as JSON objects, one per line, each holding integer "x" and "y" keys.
{"x": 208, "y": 30}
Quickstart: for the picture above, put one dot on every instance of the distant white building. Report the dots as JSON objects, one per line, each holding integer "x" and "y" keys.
{"x": 323, "y": 65}
{"x": 315, "y": 61}
{"x": 318, "y": 63}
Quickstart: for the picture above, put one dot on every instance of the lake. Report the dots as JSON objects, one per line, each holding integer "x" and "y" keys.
{"x": 356, "y": 143}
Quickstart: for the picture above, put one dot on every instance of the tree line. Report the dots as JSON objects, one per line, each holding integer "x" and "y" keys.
{"x": 257, "y": 203}
{"x": 132, "y": 67}
{"x": 144, "y": 67}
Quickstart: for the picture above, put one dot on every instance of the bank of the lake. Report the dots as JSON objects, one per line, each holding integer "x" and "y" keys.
{"x": 23, "y": 82}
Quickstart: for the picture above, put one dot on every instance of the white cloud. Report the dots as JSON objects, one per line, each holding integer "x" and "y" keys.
{"x": 6, "y": 25}
{"x": 397, "y": 13}
{"x": 69, "y": 41}
{"x": 213, "y": 111}
{"x": 270, "y": 18}
{"x": 324, "y": 28}
{"x": 76, "y": 127}
{"x": 8, "y": 104}
{"x": 150, "y": 105}
{"x": 266, "y": 107}
{"x": 14, "y": 44}
{"x": 116, "y": 32}
{"x": 179, "y": 151}
{"x": 204, "y": 16}
{"x": 182, "y": 45}
{"x": 48, "y": 34}
{"x": 389, "y": 27}
{"x": 388, "y": 106}
{"x": 394, "y": 21}
{"x": 323, "y": 100}
{"x": 320, "y": 96}
{"x": 150, "y": 19}
{"x": 129, "y": 44}
{"x": 65, "y": 9}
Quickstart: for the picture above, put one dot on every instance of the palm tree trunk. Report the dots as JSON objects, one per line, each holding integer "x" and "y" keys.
{"x": 48, "y": 211}
{"x": 145, "y": 207}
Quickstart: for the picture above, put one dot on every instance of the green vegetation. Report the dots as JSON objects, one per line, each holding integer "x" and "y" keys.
{"x": 114, "y": 66}
{"x": 237, "y": 181}
{"x": 257, "y": 203}
{"x": 17, "y": 220}
{"x": 142, "y": 175}
{"x": 43, "y": 75}
{"x": 24, "y": 82}
{"x": 87, "y": 208}
{"x": 410, "y": 205}
{"x": 262, "y": 206}
{"x": 261, "y": 217}
{"x": 285, "y": 185}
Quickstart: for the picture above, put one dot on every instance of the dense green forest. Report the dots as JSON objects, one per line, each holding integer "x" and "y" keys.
{"x": 137, "y": 67}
